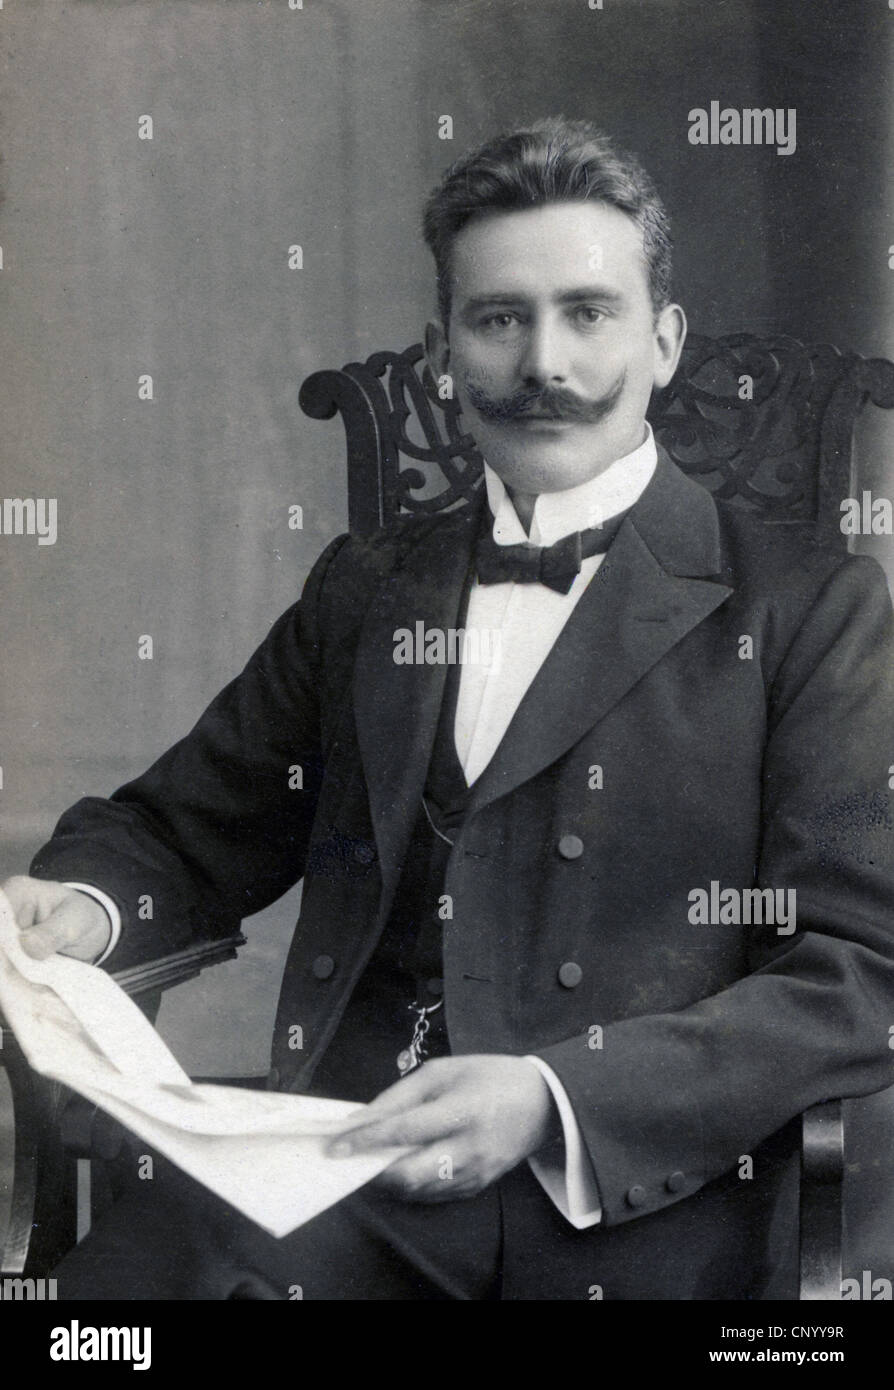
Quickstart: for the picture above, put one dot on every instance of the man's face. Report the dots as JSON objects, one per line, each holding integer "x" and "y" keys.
{"x": 553, "y": 346}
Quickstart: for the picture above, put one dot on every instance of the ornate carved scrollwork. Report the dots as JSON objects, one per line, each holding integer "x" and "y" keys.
{"x": 382, "y": 424}
{"x": 769, "y": 421}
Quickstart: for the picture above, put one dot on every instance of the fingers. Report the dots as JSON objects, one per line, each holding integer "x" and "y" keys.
{"x": 437, "y": 1173}
{"x": 449, "y": 1116}
{"x": 405, "y": 1095}
{"x": 407, "y": 1128}
{"x": 65, "y": 927}
{"x": 32, "y": 899}
{"x": 52, "y": 917}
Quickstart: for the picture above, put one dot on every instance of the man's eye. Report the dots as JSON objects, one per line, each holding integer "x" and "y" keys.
{"x": 589, "y": 314}
{"x": 502, "y": 320}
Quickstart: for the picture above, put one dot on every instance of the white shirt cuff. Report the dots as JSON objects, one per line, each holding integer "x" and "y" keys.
{"x": 571, "y": 1187}
{"x": 113, "y": 914}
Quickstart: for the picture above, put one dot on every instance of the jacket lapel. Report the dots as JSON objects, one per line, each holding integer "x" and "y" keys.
{"x": 397, "y": 706}
{"x": 657, "y": 582}
{"x": 651, "y": 589}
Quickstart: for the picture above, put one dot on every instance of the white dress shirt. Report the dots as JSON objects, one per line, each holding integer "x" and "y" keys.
{"x": 528, "y": 619}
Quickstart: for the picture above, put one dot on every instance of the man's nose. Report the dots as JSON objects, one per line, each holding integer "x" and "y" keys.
{"x": 544, "y": 360}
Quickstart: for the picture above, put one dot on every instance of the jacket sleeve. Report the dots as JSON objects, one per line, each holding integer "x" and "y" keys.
{"x": 671, "y": 1101}
{"x": 218, "y": 827}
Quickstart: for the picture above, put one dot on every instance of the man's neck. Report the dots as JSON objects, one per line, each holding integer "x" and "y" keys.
{"x": 524, "y": 504}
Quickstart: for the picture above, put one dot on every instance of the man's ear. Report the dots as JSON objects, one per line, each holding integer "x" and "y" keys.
{"x": 669, "y": 337}
{"x": 437, "y": 349}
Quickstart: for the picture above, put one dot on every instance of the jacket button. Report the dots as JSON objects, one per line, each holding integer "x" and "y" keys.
{"x": 636, "y": 1195}
{"x": 570, "y": 974}
{"x": 323, "y": 967}
{"x": 435, "y": 985}
{"x": 675, "y": 1182}
{"x": 364, "y": 854}
{"x": 571, "y": 847}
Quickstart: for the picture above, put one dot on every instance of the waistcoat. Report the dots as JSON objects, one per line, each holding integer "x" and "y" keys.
{"x": 405, "y": 968}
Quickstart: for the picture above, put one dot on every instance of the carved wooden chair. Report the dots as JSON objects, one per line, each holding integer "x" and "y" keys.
{"x": 765, "y": 422}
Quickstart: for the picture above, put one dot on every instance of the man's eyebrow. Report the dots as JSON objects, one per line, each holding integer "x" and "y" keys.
{"x": 585, "y": 292}
{"x": 480, "y": 301}
{"x": 570, "y": 296}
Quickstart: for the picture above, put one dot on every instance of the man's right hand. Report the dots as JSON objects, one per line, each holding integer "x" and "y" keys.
{"x": 53, "y": 917}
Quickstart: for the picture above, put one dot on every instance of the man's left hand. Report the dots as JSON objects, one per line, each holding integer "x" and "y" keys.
{"x": 468, "y": 1120}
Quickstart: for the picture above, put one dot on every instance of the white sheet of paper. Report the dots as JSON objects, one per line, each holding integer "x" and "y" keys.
{"x": 261, "y": 1151}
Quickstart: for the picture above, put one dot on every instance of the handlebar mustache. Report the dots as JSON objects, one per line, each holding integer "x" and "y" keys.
{"x": 554, "y": 402}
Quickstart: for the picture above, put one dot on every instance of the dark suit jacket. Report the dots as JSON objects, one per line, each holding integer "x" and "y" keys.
{"x": 771, "y": 770}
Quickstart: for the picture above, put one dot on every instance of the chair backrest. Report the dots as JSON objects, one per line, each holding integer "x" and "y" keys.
{"x": 767, "y": 422}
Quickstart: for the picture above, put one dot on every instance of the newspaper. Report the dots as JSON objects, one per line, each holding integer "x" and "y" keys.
{"x": 261, "y": 1151}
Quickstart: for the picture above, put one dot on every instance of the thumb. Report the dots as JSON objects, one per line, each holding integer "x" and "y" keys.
{"x": 76, "y": 928}
{"x": 44, "y": 939}
{"x": 406, "y": 1094}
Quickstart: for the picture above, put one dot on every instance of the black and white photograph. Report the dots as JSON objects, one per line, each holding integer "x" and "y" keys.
{"x": 447, "y": 538}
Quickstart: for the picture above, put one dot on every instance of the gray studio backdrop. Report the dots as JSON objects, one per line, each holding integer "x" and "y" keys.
{"x": 318, "y": 126}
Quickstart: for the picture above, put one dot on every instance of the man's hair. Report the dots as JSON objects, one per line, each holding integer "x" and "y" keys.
{"x": 550, "y": 161}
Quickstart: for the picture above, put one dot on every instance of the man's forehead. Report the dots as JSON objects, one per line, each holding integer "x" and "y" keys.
{"x": 562, "y": 246}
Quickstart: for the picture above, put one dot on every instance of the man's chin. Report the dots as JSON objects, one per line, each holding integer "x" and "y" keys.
{"x": 548, "y": 468}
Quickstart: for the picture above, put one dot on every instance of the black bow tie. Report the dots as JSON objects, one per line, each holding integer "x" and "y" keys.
{"x": 556, "y": 566}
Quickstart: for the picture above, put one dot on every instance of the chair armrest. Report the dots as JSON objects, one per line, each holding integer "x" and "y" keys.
{"x": 822, "y": 1178}
{"x": 173, "y": 969}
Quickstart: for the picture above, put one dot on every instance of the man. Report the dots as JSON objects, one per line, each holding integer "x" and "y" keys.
{"x": 504, "y": 860}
